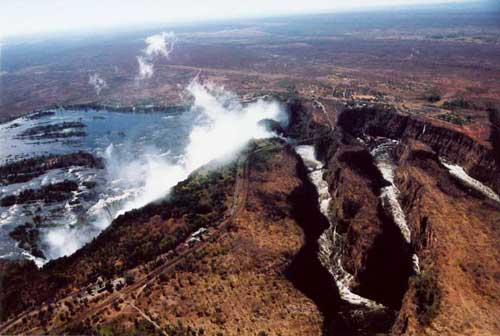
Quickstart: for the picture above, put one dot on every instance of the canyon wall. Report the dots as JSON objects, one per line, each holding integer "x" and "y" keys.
{"x": 433, "y": 287}
{"x": 479, "y": 160}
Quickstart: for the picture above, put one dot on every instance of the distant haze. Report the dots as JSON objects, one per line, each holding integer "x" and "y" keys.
{"x": 24, "y": 17}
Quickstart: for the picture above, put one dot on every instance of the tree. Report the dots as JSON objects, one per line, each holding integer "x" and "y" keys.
{"x": 129, "y": 278}
{"x": 109, "y": 287}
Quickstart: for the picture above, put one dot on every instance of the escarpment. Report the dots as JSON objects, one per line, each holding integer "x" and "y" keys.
{"x": 372, "y": 231}
{"x": 479, "y": 160}
{"x": 133, "y": 239}
{"x": 366, "y": 249}
{"x": 376, "y": 253}
{"x": 456, "y": 238}
{"x": 178, "y": 264}
{"x": 302, "y": 124}
{"x": 420, "y": 274}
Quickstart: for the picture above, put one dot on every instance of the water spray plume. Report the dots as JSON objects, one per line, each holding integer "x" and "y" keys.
{"x": 98, "y": 83}
{"x": 222, "y": 127}
{"x": 159, "y": 45}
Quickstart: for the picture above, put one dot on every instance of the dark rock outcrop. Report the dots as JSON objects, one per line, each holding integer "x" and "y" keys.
{"x": 27, "y": 169}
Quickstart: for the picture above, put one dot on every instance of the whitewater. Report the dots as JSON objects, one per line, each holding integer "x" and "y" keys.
{"x": 145, "y": 155}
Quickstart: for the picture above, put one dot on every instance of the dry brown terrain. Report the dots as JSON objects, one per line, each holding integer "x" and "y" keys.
{"x": 459, "y": 248}
{"x": 430, "y": 85}
{"x": 438, "y": 55}
{"x": 238, "y": 280}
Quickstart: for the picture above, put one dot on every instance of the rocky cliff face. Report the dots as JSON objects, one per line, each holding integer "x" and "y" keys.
{"x": 415, "y": 273}
{"x": 403, "y": 245}
{"x": 456, "y": 238}
{"x": 479, "y": 160}
{"x": 365, "y": 242}
{"x": 373, "y": 249}
{"x": 174, "y": 267}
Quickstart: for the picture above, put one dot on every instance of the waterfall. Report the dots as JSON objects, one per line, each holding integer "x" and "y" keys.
{"x": 389, "y": 195}
{"x": 459, "y": 172}
{"x": 330, "y": 242}
{"x": 105, "y": 210}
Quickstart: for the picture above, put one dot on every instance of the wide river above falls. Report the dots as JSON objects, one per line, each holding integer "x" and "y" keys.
{"x": 132, "y": 145}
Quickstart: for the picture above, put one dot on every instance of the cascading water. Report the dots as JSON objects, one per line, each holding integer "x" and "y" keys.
{"x": 459, "y": 172}
{"x": 145, "y": 155}
{"x": 330, "y": 242}
{"x": 389, "y": 194}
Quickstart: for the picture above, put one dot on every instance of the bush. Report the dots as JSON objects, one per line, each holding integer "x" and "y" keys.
{"x": 8, "y": 201}
{"x": 55, "y": 192}
{"x": 109, "y": 287}
{"x": 27, "y": 169}
{"x": 129, "y": 278}
{"x": 89, "y": 184}
{"x": 432, "y": 97}
{"x": 60, "y": 279}
{"x": 427, "y": 297}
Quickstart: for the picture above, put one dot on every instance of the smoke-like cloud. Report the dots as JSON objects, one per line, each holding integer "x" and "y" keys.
{"x": 159, "y": 45}
{"x": 99, "y": 84}
{"x": 222, "y": 127}
{"x": 146, "y": 69}
{"x": 225, "y": 126}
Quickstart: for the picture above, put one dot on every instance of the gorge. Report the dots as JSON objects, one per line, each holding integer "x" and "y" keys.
{"x": 354, "y": 216}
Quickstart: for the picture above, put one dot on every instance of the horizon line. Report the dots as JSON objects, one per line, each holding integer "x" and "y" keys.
{"x": 188, "y": 21}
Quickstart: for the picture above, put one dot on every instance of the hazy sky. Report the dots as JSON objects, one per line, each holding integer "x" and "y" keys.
{"x": 34, "y": 16}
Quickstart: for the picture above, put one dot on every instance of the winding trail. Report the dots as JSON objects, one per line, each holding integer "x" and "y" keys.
{"x": 325, "y": 112}
{"x": 146, "y": 317}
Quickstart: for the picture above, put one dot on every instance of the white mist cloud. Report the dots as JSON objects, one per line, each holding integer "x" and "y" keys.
{"x": 222, "y": 128}
{"x": 225, "y": 126}
{"x": 98, "y": 83}
{"x": 159, "y": 45}
{"x": 145, "y": 68}
{"x": 64, "y": 241}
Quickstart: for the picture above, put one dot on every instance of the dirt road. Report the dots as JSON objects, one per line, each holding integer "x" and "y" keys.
{"x": 239, "y": 199}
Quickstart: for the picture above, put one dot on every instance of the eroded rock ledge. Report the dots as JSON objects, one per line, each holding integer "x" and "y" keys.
{"x": 235, "y": 247}
{"x": 440, "y": 211}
